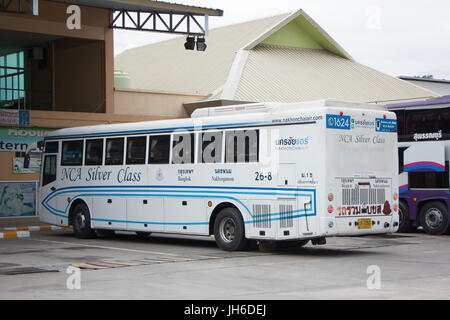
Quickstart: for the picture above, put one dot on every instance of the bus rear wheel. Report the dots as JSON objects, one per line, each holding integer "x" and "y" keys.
{"x": 434, "y": 218}
{"x": 82, "y": 222}
{"x": 404, "y": 219}
{"x": 229, "y": 231}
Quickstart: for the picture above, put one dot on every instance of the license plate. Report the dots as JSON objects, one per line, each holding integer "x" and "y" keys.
{"x": 364, "y": 223}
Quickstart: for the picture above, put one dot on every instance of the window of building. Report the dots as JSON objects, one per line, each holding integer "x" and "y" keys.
{"x": 159, "y": 149}
{"x": 136, "y": 147}
{"x": 242, "y": 146}
{"x": 114, "y": 151}
{"x": 12, "y": 79}
{"x": 183, "y": 148}
{"x": 94, "y": 152}
{"x": 72, "y": 153}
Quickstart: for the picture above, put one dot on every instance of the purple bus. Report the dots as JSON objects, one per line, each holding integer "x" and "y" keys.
{"x": 424, "y": 153}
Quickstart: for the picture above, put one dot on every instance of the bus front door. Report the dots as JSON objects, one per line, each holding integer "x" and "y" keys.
{"x": 47, "y": 203}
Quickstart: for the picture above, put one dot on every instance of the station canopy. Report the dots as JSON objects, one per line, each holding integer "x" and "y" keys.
{"x": 145, "y": 6}
{"x": 141, "y": 15}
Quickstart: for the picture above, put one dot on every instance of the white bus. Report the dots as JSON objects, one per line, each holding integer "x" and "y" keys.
{"x": 267, "y": 171}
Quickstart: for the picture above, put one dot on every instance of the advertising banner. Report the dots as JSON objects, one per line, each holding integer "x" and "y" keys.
{"x": 18, "y": 139}
{"x": 15, "y": 117}
{"x": 18, "y": 198}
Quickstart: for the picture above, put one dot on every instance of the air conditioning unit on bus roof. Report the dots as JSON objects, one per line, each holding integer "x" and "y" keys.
{"x": 265, "y": 107}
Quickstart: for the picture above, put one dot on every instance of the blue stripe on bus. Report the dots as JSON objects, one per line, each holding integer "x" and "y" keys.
{"x": 144, "y": 193}
{"x": 162, "y": 195}
{"x": 424, "y": 167}
{"x": 73, "y": 189}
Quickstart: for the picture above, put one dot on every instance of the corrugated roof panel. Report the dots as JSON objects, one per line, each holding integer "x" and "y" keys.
{"x": 283, "y": 74}
{"x": 167, "y": 66}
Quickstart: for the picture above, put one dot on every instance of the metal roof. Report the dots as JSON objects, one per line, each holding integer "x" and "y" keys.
{"x": 167, "y": 66}
{"x": 424, "y": 79}
{"x": 239, "y": 65}
{"x": 272, "y": 73}
{"x": 145, "y": 6}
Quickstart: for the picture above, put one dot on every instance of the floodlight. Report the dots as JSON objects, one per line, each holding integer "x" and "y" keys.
{"x": 190, "y": 43}
{"x": 201, "y": 44}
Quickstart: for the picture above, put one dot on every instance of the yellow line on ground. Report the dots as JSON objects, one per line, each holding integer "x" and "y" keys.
{"x": 207, "y": 257}
{"x": 88, "y": 266}
{"x": 176, "y": 258}
{"x": 153, "y": 260}
{"x": 120, "y": 263}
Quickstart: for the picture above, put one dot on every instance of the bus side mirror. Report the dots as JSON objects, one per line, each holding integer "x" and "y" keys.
{"x": 40, "y": 145}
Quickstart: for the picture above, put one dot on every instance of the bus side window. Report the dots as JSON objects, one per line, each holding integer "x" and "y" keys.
{"x": 72, "y": 153}
{"x": 51, "y": 147}
{"x": 429, "y": 180}
{"x": 400, "y": 122}
{"x": 49, "y": 174}
{"x": 183, "y": 148}
{"x": 136, "y": 150}
{"x": 114, "y": 151}
{"x": 242, "y": 146}
{"x": 401, "y": 152}
{"x": 94, "y": 152}
{"x": 159, "y": 149}
{"x": 210, "y": 147}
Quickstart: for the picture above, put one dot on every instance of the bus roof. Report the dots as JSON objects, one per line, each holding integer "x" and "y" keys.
{"x": 216, "y": 115}
{"x": 273, "y": 107}
{"x": 429, "y": 102}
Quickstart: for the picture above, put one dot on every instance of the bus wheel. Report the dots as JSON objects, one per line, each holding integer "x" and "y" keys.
{"x": 82, "y": 222}
{"x": 403, "y": 215}
{"x": 229, "y": 230}
{"x": 434, "y": 218}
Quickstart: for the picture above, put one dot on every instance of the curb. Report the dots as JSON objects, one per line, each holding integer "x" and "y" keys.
{"x": 35, "y": 228}
{"x": 14, "y": 234}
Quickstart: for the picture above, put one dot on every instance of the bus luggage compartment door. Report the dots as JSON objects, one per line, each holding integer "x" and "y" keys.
{"x": 109, "y": 213}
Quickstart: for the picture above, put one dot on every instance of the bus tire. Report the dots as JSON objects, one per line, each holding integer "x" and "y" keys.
{"x": 404, "y": 219}
{"x": 82, "y": 222}
{"x": 229, "y": 231}
{"x": 434, "y": 218}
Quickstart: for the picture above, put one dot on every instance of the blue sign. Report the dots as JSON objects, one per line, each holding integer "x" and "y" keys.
{"x": 338, "y": 122}
{"x": 24, "y": 117}
{"x": 385, "y": 125}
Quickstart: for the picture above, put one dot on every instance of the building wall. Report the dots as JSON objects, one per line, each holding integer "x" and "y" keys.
{"x": 74, "y": 84}
{"x": 142, "y": 102}
{"x": 81, "y": 82}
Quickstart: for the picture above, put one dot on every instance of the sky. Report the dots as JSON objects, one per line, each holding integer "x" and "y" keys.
{"x": 398, "y": 37}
